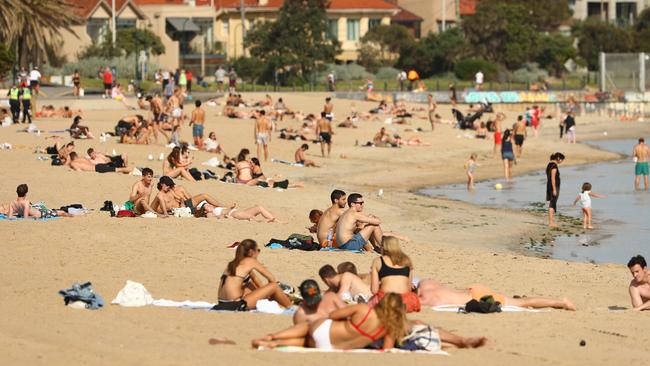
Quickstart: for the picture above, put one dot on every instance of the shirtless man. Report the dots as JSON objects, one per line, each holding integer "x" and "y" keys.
{"x": 141, "y": 193}
{"x": 301, "y": 159}
{"x": 328, "y": 109}
{"x": 347, "y": 235}
{"x": 350, "y": 267}
{"x": 198, "y": 119}
{"x": 324, "y": 132}
{"x": 432, "y": 111}
{"x": 262, "y": 134}
{"x": 173, "y": 108}
{"x": 85, "y": 165}
{"x": 315, "y": 305}
{"x": 327, "y": 222}
{"x": 640, "y": 284}
{"x": 101, "y": 158}
{"x": 348, "y": 286}
{"x": 497, "y": 134}
{"x": 21, "y": 207}
{"x": 520, "y": 133}
{"x": 170, "y": 197}
{"x": 432, "y": 293}
{"x": 158, "y": 116}
{"x": 641, "y": 154}
{"x": 64, "y": 152}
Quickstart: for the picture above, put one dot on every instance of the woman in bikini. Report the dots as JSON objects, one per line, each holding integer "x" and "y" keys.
{"x": 393, "y": 272}
{"x": 265, "y": 182}
{"x": 240, "y": 288}
{"x": 352, "y": 327}
{"x": 244, "y": 169}
{"x": 174, "y": 166}
{"x": 211, "y": 211}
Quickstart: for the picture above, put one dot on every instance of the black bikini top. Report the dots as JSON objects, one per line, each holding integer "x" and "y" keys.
{"x": 390, "y": 271}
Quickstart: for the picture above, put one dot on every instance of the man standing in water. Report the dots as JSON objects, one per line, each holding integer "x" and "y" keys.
{"x": 641, "y": 153}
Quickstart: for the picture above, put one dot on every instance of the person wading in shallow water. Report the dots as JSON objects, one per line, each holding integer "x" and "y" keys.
{"x": 553, "y": 186}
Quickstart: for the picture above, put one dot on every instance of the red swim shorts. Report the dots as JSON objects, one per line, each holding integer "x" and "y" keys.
{"x": 497, "y": 138}
{"x": 410, "y": 299}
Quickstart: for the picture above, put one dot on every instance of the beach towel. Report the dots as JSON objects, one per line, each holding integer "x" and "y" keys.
{"x": 505, "y": 309}
{"x": 280, "y": 246}
{"x": 286, "y": 162}
{"x": 187, "y": 304}
{"x": 295, "y": 349}
{"x": 4, "y": 217}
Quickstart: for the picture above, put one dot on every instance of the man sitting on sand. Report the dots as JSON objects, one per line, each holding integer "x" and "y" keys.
{"x": 141, "y": 193}
{"x": 300, "y": 157}
{"x": 22, "y": 208}
{"x": 348, "y": 286}
{"x": 118, "y": 161}
{"x": 350, "y": 267}
{"x": 327, "y": 223}
{"x": 168, "y": 198}
{"x": 346, "y": 228}
{"x": 315, "y": 305}
{"x": 640, "y": 284}
{"x": 432, "y": 293}
{"x": 84, "y": 165}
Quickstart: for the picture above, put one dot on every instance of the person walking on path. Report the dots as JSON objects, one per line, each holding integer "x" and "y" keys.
{"x": 553, "y": 186}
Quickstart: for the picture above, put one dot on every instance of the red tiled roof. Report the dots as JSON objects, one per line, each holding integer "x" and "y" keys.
{"x": 405, "y": 16}
{"x": 84, "y": 8}
{"x": 467, "y": 7}
{"x": 276, "y": 4}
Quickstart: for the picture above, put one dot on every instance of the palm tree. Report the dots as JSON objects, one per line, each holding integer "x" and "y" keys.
{"x": 31, "y": 26}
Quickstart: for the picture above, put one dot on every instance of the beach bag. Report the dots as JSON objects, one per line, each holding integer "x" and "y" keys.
{"x": 125, "y": 213}
{"x": 484, "y": 306}
{"x": 183, "y": 212}
{"x": 56, "y": 160}
{"x": 297, "y": 241}
{"x": 421, "y": 338}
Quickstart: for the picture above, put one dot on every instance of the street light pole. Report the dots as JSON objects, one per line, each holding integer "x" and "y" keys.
{"x": 243, "y": 26}
{"x": 113, "y": 27}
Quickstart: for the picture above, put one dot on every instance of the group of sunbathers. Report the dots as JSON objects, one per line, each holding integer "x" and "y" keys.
{"x": 95, "y": 161}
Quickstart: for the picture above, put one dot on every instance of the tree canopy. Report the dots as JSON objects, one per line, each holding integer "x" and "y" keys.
{"x": 297, "y": 40}
{"x": 383, "y": 44}
{"x": 128, "y": 41}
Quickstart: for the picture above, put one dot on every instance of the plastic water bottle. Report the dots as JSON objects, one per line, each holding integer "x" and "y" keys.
{"x": 381, "y": 192}
{"x": 114, "y": 152}
{"x": 161, "y": 156}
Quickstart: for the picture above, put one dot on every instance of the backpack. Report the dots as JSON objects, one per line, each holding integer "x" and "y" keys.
{"x": 56, "y": 160}
{"x": 421, "y": 338}
{"x": 485, "y": 306}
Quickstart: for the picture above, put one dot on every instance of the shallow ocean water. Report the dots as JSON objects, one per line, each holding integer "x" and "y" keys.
{"x": 621, "y": 220}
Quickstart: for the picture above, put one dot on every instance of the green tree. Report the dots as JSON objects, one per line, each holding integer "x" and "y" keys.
{"x": 249, "y": 68}
{"x": 642, "y": 32}
{"x": 30, "y": 26}
{"x": 500, "y": 32}
{"x": 553, "y": 51}
{"x": 6, "y": 59}
{"x": 595, "y": 36}
{"x": 296, "y": 40}
{"x": 436, "y": 53}
{"x": 382, "y": 45}
{"x": 542, "y": 15}
{"x": 128, "y": 41}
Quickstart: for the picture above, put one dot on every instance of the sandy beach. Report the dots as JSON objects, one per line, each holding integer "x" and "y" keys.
{"x": 181, "y": 259}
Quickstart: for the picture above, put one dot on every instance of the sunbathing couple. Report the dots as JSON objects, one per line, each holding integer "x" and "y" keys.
{"x": 385, "y": 139}
{"x": 171, "y": 196}
{"x": 99, "y": 162}
{"x": 21, "y": 207}
{"x": 249, "y": 172}
{"x": 48, "y": 111}
{"x": 349, "y": 229}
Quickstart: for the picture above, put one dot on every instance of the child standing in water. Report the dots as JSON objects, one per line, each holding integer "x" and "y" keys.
{"x": 585, "y": 201}
{"x": 470, "y": 166}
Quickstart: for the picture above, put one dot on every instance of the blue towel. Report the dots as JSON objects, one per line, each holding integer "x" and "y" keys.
{"x": 340, "y": 250}
{"x": 4, "y": 217}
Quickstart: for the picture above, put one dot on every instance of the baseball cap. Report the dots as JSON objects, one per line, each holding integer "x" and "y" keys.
{"x": 166, "y": 181}
{"x": 310, "y": 292}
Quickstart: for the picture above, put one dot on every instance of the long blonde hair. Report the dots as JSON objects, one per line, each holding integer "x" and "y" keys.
{"x": 391, "y": 312}
{"x": 392, "y": 250}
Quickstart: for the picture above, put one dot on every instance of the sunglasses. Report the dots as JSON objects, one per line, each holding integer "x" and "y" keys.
{"x": 359, "y": 203}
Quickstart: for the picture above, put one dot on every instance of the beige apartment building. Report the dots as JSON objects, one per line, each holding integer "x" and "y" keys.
{"x": 622, "y": 12}
{"x": 200, "y": 34}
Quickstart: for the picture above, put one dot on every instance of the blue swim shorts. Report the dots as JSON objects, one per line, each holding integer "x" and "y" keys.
{"x": 197, "y": 130}
{"x": 356, "y": 243}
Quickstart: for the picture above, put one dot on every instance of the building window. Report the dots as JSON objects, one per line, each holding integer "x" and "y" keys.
{"x": 207, "y": 32}
{"x": 373, "y": 22}
{"x": 125, "y": 23}
{"x": 333, "y": 29}
{"x": 353, "y": 30}
{"x": 625, "y": 13}
{"x": 97, "y": 29}
{"x": 226, "y": 27}
{"x": 597, "y": 9}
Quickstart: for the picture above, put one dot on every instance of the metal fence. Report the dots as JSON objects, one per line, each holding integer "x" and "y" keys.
{"x": 624, "y": 72}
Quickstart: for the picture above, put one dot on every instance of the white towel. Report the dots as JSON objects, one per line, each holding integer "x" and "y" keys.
{"x": 187, "y": 304}
{"x": 213, "y": 162}
{"x": 296, "y": 349}
{"x": 133, "y": 294}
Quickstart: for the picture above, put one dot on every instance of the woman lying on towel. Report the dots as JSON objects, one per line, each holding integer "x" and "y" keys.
{"x": 393, "y": 272}
{"x": 359, "y": 326}
{"x": 240, "y": 288}
{"x": 275, "y": 182}
{"x": 204, "y": 209}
